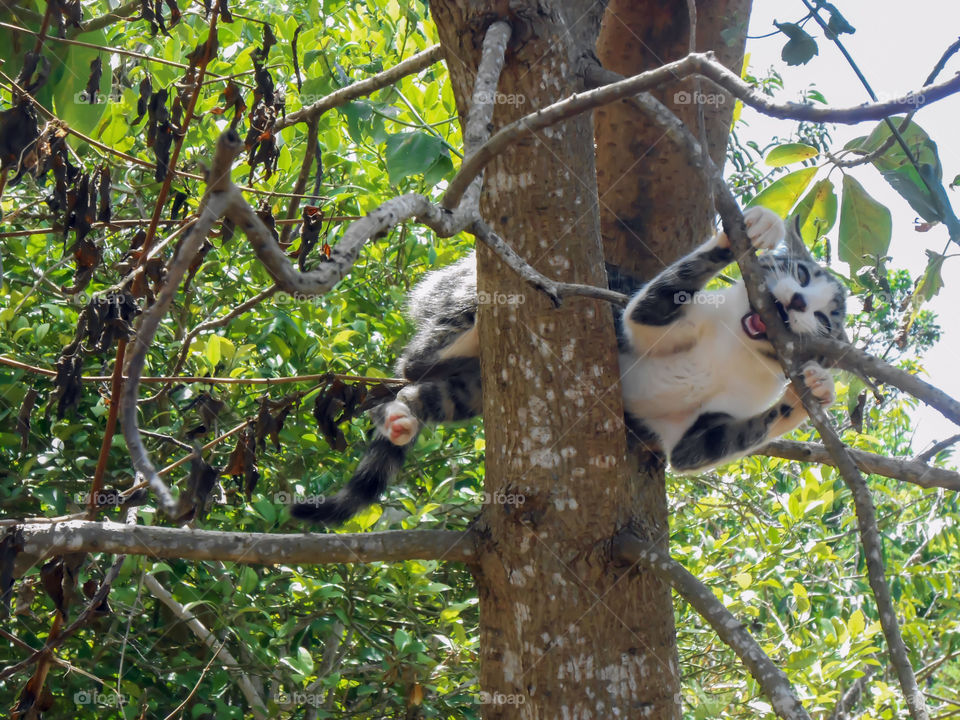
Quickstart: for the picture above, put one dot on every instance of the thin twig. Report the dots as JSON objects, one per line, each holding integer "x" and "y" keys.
{"x": 247, "y": 687}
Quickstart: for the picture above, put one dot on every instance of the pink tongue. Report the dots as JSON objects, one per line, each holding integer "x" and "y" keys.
{"x": 756, "y": 324}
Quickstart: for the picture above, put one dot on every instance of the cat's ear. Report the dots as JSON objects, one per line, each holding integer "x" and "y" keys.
{"x": 794, "y": 240}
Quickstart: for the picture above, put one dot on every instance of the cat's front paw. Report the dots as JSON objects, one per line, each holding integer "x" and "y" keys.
{"x": 399, "y": 425}
{"x": 764, "y": 227}
{"x": 820, "y": 382}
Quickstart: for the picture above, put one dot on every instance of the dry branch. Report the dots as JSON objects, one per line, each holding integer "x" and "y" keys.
{"x": 629, "y": 548}
{"x": 49, "y": 539}
{"x": 213, "y": 207}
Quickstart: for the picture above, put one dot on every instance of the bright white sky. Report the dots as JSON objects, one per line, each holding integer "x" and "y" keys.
{"x": 896, "y": 46}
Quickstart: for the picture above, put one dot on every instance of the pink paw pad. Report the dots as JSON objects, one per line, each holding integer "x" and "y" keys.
{"x": 400, "y": 427}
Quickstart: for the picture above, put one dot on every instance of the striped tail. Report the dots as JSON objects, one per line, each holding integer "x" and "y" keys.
{"x": 379, "y": 465}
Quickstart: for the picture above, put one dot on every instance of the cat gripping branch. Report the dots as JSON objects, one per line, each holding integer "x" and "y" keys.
{"x": 697, "y": 371}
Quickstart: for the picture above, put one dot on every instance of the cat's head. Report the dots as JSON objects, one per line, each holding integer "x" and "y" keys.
{"x": 810, "y": 300}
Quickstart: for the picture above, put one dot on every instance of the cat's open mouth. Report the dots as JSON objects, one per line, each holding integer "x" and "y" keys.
{"x": 754, "y": 326}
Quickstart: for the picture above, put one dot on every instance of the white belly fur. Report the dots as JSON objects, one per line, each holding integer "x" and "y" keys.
{"x": 723, "y": 371}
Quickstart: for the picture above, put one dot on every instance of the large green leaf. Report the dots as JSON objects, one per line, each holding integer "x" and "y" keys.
{"x": 817, "y": 211}
{"x": 865, "y": 226}
{"x": 411, "y": 153}
{"x": 790, "y": 153}
{"x": 922, "y": 189}
{"x": 782, "y": 195}
{"x": 69, "y": 81}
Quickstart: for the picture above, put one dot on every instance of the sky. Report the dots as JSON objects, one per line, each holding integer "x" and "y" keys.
{"x": 896, "y": 45}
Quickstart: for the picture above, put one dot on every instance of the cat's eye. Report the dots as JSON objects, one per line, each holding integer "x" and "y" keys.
{"x": 803, "y": 276}
{"x": 822, "y": 319}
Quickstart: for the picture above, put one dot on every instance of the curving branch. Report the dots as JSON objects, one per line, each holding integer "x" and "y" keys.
{"x": 42, "y": 540}
{"x": 629, "y": 548}
{"x": 362, "y": 88}
{"x": 785, "y": 344}
{"x": 213, "y": 206}
{"x": 911, "y": 471}
{"x": 693, "y": 64}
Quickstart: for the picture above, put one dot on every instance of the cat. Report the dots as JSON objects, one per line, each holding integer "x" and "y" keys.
{"x": 697, "y": 371}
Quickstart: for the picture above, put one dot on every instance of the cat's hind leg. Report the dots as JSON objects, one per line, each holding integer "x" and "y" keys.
{"x": 717, "y": 438}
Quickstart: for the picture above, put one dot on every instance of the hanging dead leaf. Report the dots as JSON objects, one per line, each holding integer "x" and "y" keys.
{"x": 23, "y": 417}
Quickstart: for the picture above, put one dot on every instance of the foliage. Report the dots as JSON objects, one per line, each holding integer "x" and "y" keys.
{"x": 775, "y": 539}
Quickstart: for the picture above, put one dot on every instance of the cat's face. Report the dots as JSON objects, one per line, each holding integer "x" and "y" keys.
{"x": 810, "y": 300}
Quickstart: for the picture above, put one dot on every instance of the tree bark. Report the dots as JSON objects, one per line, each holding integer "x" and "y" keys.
{"x": 565, "y": 631}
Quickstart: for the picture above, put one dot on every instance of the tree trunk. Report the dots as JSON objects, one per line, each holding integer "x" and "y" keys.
{"x": 564, "y": 631}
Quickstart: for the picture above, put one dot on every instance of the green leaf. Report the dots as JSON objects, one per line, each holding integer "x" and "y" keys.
{"x": 913, "y": 185}
{"x": 817, "y": 211}
{"x": 358, "y": 114}
{"x": 865, "y": 226}
{"x": 402, "y": 639}
{"x": 743, "y": 580}
{"x": 782, "y": 195}
{"x": 212, "y": 350}
{"x": 932, "y": 281}
{"x": 411, "y": 153}
{"x": 856, "y": 624}
{"x": 800, "y": 48}
{"x": 790, "y": 153}
{"x": 69, "y": 78}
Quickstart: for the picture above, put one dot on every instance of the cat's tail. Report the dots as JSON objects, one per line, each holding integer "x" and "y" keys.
{"x": 379, "y": 465}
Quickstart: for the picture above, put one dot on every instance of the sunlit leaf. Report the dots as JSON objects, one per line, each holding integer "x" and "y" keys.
{"x": 783, "y": 194}
{"x": 865, "y": 226}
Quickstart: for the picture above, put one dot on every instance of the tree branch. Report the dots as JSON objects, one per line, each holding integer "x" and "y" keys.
{"x": 48, "y": 539}
{"x": 911, "y": 471}
{"x": 693, "y": 64}
{"x": 629, "y": 548}
{"x": 848, "y": 357}
{"x": 212, "y": 208}
{"x": 362, "y": 88}
{"x": 785, "y": 344}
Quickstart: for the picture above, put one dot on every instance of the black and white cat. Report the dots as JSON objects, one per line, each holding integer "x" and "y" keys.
{"x": 696, "y": 368}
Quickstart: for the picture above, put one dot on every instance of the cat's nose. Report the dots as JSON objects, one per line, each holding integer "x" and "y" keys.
{"x": 797, "y": 303}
